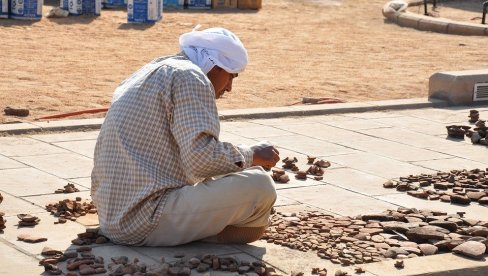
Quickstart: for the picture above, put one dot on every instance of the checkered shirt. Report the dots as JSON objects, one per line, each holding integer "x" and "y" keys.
{"x": 161, "y": 133}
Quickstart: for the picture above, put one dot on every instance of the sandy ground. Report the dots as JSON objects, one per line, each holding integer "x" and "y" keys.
{"x": 316, "y": 48}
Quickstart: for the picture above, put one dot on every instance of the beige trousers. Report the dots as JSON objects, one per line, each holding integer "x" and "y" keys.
{"x": 202, "y": 211}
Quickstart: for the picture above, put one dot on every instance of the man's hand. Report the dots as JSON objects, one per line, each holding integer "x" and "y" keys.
{"x": 266, "y": 157}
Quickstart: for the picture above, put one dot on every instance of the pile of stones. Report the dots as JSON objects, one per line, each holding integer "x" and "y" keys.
{"x": 316, "y": 169}
{"x": 393, "y": 234}
{"x": 67, "y": 189}
{"x": 90, "y": 236}
{"x": 478, "y": 135}
{"x": 81, "y": 261}
{"x": 457, "y": 186}
{"x": 71, "y": 209}
{"x": 28, "y": 220}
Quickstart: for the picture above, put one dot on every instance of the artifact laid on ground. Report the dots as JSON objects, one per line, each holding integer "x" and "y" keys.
{"x": 457, "y": 186}
{"x": 2, "y": 221}
{"x": 30, "y": 239}
{"x": 400, "y": 234}
{"x": 67, "y": 189}
{"x": 90, "y": 236}
{"x": 478, "y": 135}
{"x": 316, "y": 170}
{"x": 71, "y": 209}
{"x": 86, "y": 263}
{"x": 28, "y": 220}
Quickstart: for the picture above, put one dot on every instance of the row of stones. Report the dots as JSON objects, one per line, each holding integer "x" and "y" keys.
{"x": 404, "y": 233}
{"x": 85, "y": 263}
{"x": 456, "y": 186}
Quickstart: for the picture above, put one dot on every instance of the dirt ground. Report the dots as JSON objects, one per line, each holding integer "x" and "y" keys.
{"x": 313, "y": 48}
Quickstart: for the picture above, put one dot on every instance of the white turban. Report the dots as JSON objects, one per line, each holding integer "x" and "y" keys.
{"x": 214, "y": 46}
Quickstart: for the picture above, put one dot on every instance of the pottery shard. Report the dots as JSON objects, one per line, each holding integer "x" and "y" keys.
{"x": 30, "y": 239}
{"x": 446, "y": 198}
{"x": 424, "y": 234}
{"x": 203, "y": 267}
{"x": 428, "y": 249}
{"x": 475, "y": 195}
{"x": 460, "y": 199}
{"x": 449, "y": 225}
{"x": 483, "y": 200}
{"x": 392, "y": 252}
{"x": 48, "y": 251}
{"x": 472, "y": 249}
{"x": 390, "y": 184}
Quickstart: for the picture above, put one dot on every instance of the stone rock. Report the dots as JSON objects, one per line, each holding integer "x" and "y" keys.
{"x": 449, "y": 225}
{"x": 483, "y": 200}
{"x": 460, "y": 199}
{"x": 428, "y": 249}
{"x": 30, "y": 239}
{"x": 472, "y": 249}
{"x": 421, "y": 234}
{"x": 16, "y": 111}
{"x": 475, "y": 195}
{"x": 392, "y": 252}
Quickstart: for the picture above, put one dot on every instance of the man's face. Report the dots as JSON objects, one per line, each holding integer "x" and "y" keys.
{"x": 221, "y": 80}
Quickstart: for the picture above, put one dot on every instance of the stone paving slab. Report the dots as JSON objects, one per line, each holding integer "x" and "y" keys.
{"x": 322, "y": 131}
{"x": 309, "y": 146}
{"x": 378, "y": 165}
{"x": 56, "y": 164}
{"x": 15, "y": 262}
{"x": 59, "y": 236}
{"x": 20, "y": 146}
{"x": 85, "y": 147}
{"x": 453, "y": 163}
{"x": 336, "y": 200}
{"x": 356, "y": 181}
{"x": 66, "y": 136}
{"x": 397, "y": 151}
{"x": 29, "y": 181}
{"x": 365, "y": 149}
{"x": 415, "y": 124}
{"x": 8, "y": 163}
{"x": 12, "y": 206}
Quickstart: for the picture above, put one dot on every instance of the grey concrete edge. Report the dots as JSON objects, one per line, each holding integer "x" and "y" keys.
{"x": 432, "y": 24}
{"x": 257, "y": 113}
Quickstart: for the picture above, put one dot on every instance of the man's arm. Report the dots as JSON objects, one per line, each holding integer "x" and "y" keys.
{"x": 195, "y": 127}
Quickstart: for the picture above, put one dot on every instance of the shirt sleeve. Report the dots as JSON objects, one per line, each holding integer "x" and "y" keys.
{"x": 195, "y": 127}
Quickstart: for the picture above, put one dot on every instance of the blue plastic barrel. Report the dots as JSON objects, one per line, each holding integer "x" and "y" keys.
{"x": 199, "y": 4}
{"x": 144, "y": 11}
{"x": 26, "y": 9}
{"x": 114, "y": 3}
{"x": 4, "y": 8}
{"x": 174, "y": 4}
{"x": 82, "y": 7}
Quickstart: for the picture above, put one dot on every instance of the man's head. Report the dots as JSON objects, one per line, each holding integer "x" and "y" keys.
{"x": 219, "y": 53}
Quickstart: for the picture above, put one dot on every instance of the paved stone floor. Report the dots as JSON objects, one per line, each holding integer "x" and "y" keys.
{"x": 365, "y": 150}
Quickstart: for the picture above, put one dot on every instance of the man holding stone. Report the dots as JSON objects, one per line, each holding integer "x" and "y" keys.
{"x": 161, "y": 175}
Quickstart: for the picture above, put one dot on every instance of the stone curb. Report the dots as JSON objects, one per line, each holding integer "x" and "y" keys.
{"x": 254, "y": 113}
{"x": 438, "y": 25}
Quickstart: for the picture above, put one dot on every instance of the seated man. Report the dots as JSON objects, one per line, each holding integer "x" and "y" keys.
{"x": 161, "y": 175}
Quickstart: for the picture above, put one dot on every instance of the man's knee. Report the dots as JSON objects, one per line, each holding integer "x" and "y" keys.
{"x": 263, "y": 183}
